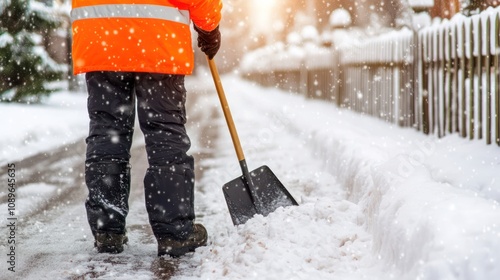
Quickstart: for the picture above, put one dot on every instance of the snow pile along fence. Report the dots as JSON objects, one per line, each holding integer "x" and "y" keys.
{"x": 442, "y": 79}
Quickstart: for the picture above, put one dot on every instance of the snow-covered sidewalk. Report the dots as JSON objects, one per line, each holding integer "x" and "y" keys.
{"x": 376, "y": 201}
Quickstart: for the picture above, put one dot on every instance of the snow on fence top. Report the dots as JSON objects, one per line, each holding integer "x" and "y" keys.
{"x": 462, "y": 36}
{"x": 458, "y": 37}
{"x": 289, "y": 59}
{"x": 391, "y": 47}
{"x": 318, "y": 57}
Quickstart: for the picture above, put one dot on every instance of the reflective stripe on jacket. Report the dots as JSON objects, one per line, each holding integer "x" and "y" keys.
{"x": 138, "y": 35}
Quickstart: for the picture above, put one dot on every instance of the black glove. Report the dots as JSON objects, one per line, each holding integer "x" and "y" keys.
{"x": 209, "y": 41}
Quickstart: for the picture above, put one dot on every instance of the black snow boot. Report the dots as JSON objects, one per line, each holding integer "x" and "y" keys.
{"x": 176, "y": 247}
{"x": 110, "y": 242}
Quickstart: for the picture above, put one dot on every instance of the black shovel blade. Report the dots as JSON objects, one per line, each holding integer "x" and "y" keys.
{"x": 270, "y": 192}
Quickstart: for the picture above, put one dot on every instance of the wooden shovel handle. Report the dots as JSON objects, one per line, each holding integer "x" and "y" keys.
{"x": 225, "y": 109}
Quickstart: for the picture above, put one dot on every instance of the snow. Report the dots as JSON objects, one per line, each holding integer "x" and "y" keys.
{"x": 4, "y": 4}
{"x": 5, "y": 39}
{"x": 340, "y": 18}
{"x": 376, "y": 201}
{"x": 421, "y": 3}
{"x": 46, "y": 61}
{"x": 43, "y": 10}
{"x": 33, "y": 196}
{"x": 368, "y": 50}
{"x": 421, "y": 20}
{"x": 34, "y": 128}
{"x": 309, "y": 33}
{"x": 421, "y": 198}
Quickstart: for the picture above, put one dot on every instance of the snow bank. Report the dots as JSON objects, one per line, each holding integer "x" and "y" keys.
{"x": 432, "y": 214}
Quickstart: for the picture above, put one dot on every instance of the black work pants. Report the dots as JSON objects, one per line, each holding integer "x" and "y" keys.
{"x": 169, "y": 180}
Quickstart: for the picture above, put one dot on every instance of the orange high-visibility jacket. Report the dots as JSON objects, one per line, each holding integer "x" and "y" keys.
{"x": 138, "y": 35}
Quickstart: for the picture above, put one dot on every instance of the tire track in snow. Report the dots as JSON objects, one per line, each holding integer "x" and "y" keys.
{"x": 57, "y": 167}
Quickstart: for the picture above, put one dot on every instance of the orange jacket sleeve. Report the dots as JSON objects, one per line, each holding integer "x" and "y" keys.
{"x": 205, "y": 14}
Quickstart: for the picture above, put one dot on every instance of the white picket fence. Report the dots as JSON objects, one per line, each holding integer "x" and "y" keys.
{"x": 379, "y": 76}
{"x": 459, "y": 74}
{"x": 442, "y": 79}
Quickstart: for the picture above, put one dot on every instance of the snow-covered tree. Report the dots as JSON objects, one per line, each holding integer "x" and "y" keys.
{"x": 25, "y": 66}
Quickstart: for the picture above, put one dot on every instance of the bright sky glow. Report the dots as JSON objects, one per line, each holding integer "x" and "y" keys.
{"x": 263, "y": 13}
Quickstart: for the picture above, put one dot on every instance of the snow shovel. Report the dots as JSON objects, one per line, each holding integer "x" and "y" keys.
{"x": 255, "y": 192}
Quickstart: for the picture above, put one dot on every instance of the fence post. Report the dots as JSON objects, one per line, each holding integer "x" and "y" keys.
{"x": 338, "y": 79}
{"x": 425, "y": 83}
{"x": 496, "y": 78}
{"x": 440, "y": 91}
{"x": 463, "y": 93}
{"x": 418, "y": 79}
{"x": 470, "y": 74}
{"x": 487, "y": 63}
{"x": 448, "y": 81}
{"x": 456, "y": 77}
{"x": 478, "y": 77}
{"x": 433, "y": 80}
{"x": 411, "y": 77}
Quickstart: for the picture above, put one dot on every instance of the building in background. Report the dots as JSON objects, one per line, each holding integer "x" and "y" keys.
{"x": 445, "y": 8}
